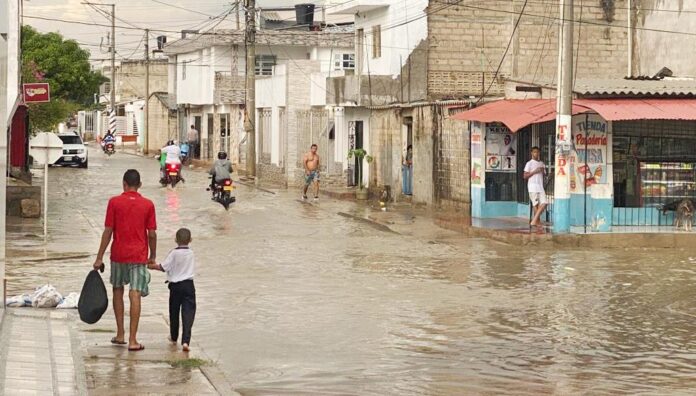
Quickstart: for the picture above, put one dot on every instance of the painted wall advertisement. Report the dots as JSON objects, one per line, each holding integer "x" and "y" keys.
{"x": 476, "y": 153}
{"x": 589, "y": 162}
{"x": 501, "y": 149}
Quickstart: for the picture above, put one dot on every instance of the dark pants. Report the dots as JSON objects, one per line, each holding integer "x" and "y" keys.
{"x": 182, "y": 297}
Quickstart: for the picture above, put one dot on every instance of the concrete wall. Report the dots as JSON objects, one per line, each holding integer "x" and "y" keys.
{"x": 467, "y": 43}
{"x": 130, "y": 79}
{"x": 162, "y": 124}
{"x": 655, "y": 50}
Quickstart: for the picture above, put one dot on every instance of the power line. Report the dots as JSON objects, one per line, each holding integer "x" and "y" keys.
{"x": 502, "y": 60}
{"x": 182, "y": 8}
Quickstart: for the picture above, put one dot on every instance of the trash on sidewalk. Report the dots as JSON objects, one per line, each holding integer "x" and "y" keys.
{"x": 19, "y": 301}
{"x": 46, "y": 296}
{"x": 93, "y": 300}
{"x": 69, "y": 302}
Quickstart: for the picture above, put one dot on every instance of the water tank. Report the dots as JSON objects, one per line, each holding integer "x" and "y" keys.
{"x": 304, "y": 14}
{"x": 161, "y": 41}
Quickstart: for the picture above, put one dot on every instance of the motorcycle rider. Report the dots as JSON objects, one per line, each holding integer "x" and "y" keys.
{"x": 221, "y": 170}
{"x": 108, "y": 138}
{"x": 172, "y": 155}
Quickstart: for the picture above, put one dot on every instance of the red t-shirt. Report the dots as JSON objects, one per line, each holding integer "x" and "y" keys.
{"x": 130, "y": 216}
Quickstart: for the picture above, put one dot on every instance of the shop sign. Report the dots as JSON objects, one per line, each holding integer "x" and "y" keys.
{"x": 589, "y": 162}
{"x": 501, "y": 149}
{"x": 36, "y": 93}
{"x": 476, "y": 153}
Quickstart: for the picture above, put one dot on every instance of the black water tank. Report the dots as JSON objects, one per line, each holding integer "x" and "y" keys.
{"x": 161, "y": 41}
{"x": 304, "y": 14}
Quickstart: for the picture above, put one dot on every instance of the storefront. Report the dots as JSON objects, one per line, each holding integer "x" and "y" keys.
{"x": 630, "y": 163}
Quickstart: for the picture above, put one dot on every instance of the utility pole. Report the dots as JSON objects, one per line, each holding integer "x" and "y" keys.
{"x": 112, "y": 113}
{"x": 146, "y": 133}
{"x": 250, "y": 105}
{"x": 564, "y": 103}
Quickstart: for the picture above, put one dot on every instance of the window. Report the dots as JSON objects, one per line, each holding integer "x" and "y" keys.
{"x": 377, "y": 41}
{"x": 265, "y": 65}
{"x": 344, "y": 61}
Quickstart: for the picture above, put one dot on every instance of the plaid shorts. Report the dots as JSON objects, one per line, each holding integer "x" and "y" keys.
{"x": 137, "y": 275}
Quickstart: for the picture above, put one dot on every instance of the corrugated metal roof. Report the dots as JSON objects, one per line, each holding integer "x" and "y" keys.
{"x": 624, "y": 87}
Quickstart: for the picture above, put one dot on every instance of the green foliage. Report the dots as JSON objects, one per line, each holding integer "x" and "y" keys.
{"x": 360, "y": 154}
{"x": 65, "y": 66}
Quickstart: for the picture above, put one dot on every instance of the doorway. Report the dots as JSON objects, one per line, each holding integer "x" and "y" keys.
{"x": 358, "y": 145}
{"x": 210, "y": 134}
{"x": 197, "y": 124}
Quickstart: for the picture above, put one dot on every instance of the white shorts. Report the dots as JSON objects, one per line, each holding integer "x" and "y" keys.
{"x": 538, "y": 198}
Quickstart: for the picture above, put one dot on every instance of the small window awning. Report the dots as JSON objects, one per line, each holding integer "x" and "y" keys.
{"x": 517, "y": 114}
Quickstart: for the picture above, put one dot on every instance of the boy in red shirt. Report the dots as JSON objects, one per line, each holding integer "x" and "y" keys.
{"x": 130, "y": 220}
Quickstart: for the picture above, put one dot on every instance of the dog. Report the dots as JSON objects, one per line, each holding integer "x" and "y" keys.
{"x": 684, "y": 215}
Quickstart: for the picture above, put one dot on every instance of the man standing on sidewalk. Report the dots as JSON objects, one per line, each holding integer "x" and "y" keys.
{"x": 130, "y": 220}
{"x": 534, "y": 172}
{"x": 192, "y": 137}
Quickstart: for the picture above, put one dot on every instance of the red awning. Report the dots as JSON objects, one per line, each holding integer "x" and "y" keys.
{"x": 517, "y": 114}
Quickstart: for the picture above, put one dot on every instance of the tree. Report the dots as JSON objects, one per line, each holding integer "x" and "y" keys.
{"x": 65, "y": 66}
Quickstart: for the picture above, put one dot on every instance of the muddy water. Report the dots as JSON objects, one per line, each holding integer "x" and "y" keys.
{"x": 296, "y": 299}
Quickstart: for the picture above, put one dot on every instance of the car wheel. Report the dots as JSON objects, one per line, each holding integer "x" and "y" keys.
{"x": 84, "y": 165}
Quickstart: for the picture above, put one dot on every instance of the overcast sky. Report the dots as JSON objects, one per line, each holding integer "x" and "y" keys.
{"x": 141, "y": 13}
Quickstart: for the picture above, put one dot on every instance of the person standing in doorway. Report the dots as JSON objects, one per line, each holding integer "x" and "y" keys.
{"x": 192, "y": 137}
{"x": 534, "y": 172}
{"x": 130, "y": 222}
{"x": 311, "y": 165}
{"x": 407, "y": 172}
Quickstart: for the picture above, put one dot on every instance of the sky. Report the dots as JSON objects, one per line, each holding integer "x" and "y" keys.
{"x": 139, "y": 13}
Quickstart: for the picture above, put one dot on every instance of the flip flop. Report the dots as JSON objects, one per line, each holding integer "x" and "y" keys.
{"x": 117, "y": 342}
{"x": 140, "y": 347}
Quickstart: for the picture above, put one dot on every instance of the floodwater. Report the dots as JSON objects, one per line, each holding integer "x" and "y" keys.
{"x": 294, "y": 298}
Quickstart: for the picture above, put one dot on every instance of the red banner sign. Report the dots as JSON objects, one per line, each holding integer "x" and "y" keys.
{"x": 36, "y": 93}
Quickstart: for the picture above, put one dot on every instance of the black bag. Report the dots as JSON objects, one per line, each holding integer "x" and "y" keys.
{"x": 93, "y": 299}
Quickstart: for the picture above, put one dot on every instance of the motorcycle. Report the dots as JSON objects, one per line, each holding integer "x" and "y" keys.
{"x": 109, "y": 149}
{"x": 222, "y": 192}
{"x": 172, "y": 175}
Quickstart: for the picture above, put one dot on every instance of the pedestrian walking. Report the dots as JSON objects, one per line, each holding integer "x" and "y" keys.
{"x": 534, "y": 172}
{"x": 130, "y": 222}
{"x": 180, "y": 266}
{"x": 311, "y": 165}
{"x": 192, "y": 137}
{"x": 407, "y": 171}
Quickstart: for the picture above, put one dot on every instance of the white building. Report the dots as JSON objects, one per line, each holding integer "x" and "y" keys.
{"x": 389, "y": 36}
{"x": 207, "y": 76}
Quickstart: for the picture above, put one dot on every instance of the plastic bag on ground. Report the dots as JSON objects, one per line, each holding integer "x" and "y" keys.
{"x": 69, "y": 302}
{"x": 46, "y": 297}
{"x": 93, "y": 300}
{"x": 19, "y": 301}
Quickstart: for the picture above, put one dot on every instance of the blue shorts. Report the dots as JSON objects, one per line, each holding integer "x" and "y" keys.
{"x": 312, "y": 177}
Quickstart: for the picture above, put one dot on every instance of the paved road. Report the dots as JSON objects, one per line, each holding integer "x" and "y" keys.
{"x": 295, "y": 298}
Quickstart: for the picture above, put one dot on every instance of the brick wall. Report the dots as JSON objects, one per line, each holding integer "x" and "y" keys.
{"x": 130, "y": 79}
{"x": 467, "y": 42}
{"x": 162, "y": 124}
{"x": 452, "y": 165}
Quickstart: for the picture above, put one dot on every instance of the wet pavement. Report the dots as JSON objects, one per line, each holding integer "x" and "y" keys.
{"x": 304, "y": 298}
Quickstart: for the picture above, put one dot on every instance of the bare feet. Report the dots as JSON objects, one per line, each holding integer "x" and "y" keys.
{"x": 186, "y": 347}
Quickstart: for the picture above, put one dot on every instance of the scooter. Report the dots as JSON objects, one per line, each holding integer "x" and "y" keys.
{"x": 172, "y": 175}
{"x": 222, "y": 192}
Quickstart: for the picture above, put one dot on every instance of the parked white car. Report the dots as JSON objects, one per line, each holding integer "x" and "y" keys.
{"x": 74, "y": 150}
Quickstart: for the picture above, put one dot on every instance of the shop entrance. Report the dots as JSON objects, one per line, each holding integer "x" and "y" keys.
{"x": 654, "y": 170}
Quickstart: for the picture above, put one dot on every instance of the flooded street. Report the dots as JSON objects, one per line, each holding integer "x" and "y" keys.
{"x": 295, "y": 298}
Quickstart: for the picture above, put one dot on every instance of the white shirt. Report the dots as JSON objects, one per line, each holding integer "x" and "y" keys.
{"x": 173, "y": 154}
{"x": 535, "y": 184}
{"x": 179, "y": 265}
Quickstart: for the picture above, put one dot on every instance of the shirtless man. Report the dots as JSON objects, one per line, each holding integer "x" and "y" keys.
{"x": 311, "y": 165}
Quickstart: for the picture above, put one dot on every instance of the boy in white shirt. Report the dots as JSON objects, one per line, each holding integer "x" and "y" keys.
{"x": 180, "y": 266}
{"x": 534, "y": 172}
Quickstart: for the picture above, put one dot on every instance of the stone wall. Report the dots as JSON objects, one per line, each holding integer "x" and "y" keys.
{"x": 229, "y": 89}
{"x": 467, "y": 42}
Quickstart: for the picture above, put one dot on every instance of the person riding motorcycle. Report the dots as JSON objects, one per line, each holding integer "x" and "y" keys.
{"x": 108, "y": 138}
{"x": 221, "y": 170}
{"x": 170, "y": 154}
